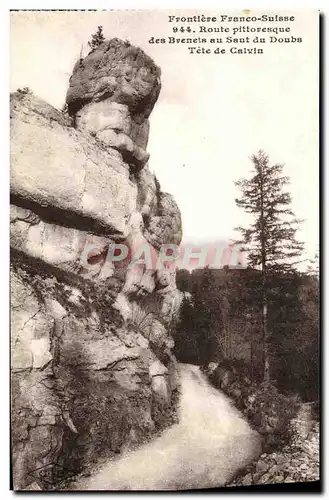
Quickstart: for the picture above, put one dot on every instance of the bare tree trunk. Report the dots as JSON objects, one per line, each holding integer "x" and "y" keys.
{"x": 230, "y": 340}
{"x": 252, "y": 352}
{"x": 251, "y": 371}
{"x": 266, "y": 376}
{"x": 265, "y": 340}
{"x": 226, "y": 344}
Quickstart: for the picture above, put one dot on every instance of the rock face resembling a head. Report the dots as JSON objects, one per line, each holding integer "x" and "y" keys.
{"x": 117, "y": 71}
{"x": 112, "y": 93}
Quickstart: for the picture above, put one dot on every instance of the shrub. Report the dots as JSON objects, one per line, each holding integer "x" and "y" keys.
{"x": 268, "y": 411}
{"x": 97, "y": 38}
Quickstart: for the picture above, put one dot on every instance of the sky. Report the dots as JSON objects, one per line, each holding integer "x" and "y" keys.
{"x": 213, "y": 112}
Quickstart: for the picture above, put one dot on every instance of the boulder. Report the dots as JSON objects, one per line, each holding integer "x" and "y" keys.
{"x": 166, "y": 226}
{"x": 64, "y": 247}
{"x": 117, "y": 71}
{"x": 111, "y": 94}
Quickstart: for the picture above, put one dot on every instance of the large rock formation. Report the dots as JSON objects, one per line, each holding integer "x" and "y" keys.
{"x": 112, "y": 93}
{"x": 92, "y": 369}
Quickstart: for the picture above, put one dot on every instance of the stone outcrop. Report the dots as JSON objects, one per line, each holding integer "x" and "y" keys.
{"x": 92, "y": 369}
{"x": 298, "y": 461}
{"x": 112, "y": 93}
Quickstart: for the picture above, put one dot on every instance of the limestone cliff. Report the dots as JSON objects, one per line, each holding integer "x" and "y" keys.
{"x": 92, "y": 368}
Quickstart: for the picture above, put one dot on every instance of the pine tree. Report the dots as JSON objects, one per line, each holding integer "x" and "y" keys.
{"x": 97, "y": 39}
{"x": 270, "y": 239}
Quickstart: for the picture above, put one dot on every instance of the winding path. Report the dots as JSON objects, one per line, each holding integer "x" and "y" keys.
{"x": 210, "y": 442}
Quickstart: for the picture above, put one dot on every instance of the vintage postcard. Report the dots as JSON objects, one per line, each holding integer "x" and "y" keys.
{"x": 164, "y": 181}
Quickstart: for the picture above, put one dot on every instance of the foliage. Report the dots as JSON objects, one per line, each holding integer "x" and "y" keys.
{"x": 294, "y": 324}
{"x": 142, "y": 318}
{"x": 208, "y": 319}
{"x": 183, "y": 280}
{"x": 25, "y": 90}
{"x": 148, "y": 313}
{"x": 267, "y": 410}
{"x": 293, "y": 320}
{"x": 187, "y": 339}
{"x": 271, "y": 413}
{"x": 97, "y": 38}
{"x": 65, "y": 108}
{"x": 270, "y": 239}
{"x": 313, "y": 268}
